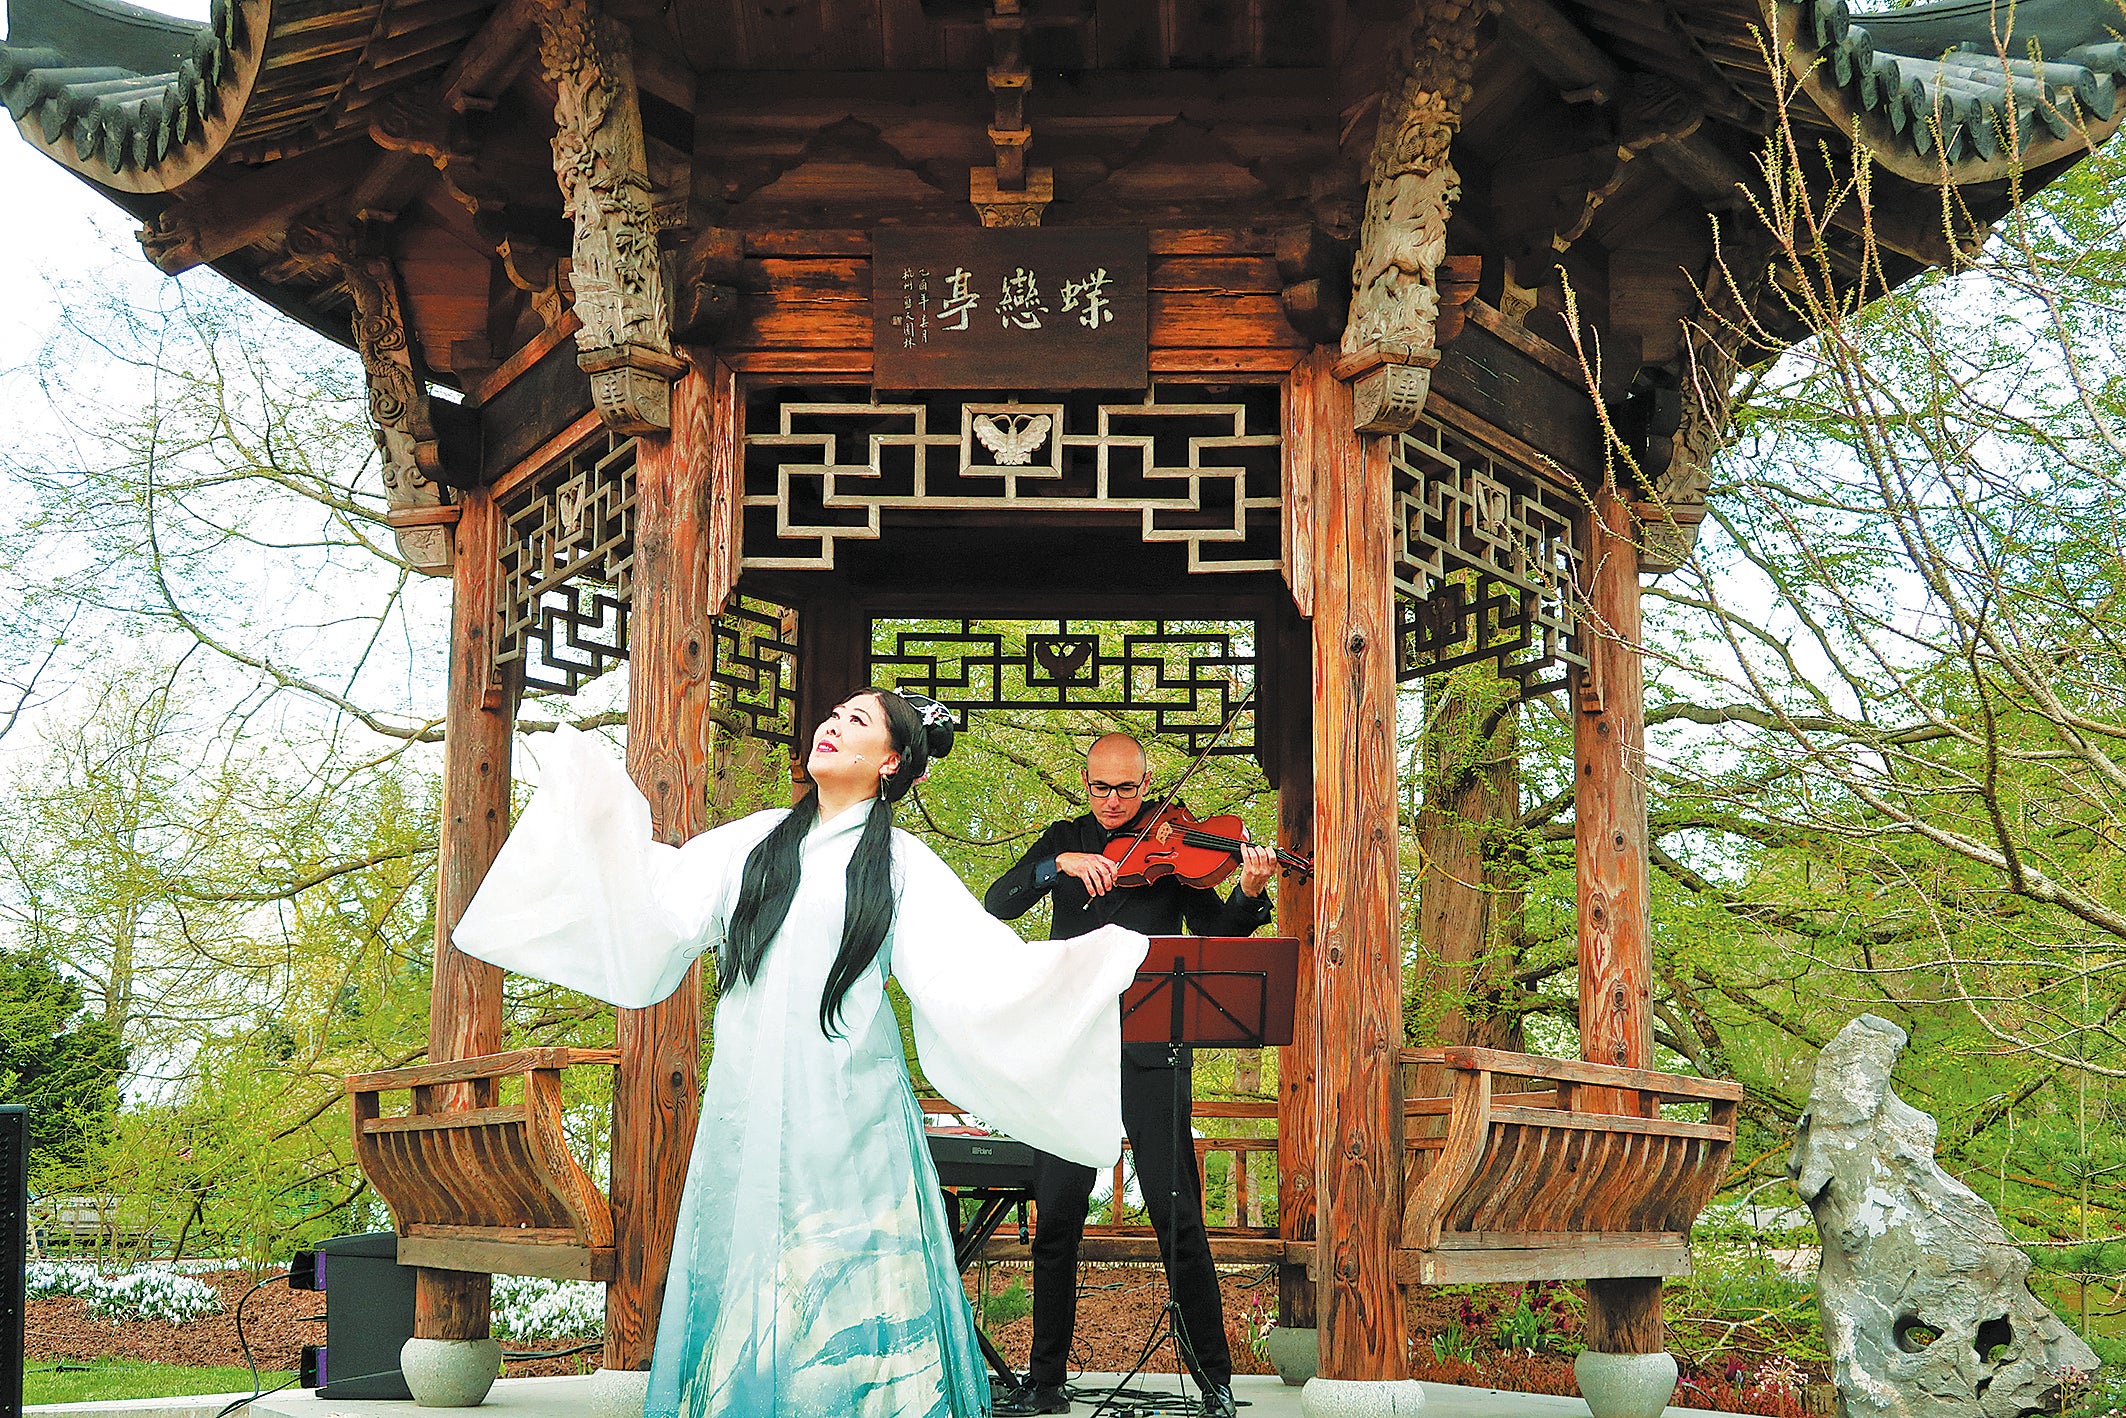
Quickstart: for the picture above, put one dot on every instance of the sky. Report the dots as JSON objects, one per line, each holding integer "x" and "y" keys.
{"x": 72, "y": 232}
{"x": 77, "y": 239}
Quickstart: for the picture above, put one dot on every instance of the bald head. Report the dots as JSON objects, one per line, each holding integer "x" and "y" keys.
{"x": 1116, "y": 758}
{"x": 1116, "y": 763}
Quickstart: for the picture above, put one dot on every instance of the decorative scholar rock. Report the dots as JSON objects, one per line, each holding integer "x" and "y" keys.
{"x": 1927, "y": 1309}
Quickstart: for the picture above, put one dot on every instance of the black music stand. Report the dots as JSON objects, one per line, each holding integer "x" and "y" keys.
{"x": 1192, "y": 992}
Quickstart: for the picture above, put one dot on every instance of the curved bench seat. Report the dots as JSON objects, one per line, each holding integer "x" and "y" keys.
{"x": 1577, "y": 1177}
{"x": 477, "y": 1185}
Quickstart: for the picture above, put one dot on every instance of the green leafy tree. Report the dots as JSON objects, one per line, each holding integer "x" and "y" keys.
{"x": 56, "y": 1056}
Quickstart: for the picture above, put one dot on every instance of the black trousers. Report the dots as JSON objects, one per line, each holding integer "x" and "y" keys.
{"x": 1062, "y": 1191}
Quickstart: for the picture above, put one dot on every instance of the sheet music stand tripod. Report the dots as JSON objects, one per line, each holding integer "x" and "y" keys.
{"x": 1221, "y": 992}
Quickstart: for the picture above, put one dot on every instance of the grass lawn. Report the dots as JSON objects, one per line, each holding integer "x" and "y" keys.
{"x": 133, "y": 1378}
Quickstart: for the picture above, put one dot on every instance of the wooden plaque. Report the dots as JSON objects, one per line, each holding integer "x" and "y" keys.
{"x": 1009, "y": 308}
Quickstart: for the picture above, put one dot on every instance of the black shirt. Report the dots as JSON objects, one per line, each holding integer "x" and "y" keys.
{"x": 1165, "y": 907}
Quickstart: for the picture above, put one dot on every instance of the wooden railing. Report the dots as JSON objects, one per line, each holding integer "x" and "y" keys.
{"x": 479, "y": 1185}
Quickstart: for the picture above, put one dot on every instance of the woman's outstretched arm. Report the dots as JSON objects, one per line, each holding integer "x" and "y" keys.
{"x": 1027, "y": 1035}
{"x": 582, "y": 896}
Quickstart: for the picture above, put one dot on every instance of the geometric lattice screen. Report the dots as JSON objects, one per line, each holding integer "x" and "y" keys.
{"x": 1189, "y": 464}
{"x": 1486, "y": 567}
{"x": 567, "y": 563}
{"x": 1188, "y": 676}
{"x": 568, "y": 546}
{"x": 753, "y": 670}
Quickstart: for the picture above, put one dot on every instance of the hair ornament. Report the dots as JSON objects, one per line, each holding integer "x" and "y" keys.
{"x": 935, "y": 713}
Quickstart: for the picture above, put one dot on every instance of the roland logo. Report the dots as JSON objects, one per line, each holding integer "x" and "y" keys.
{"x": 981, "y": 1150}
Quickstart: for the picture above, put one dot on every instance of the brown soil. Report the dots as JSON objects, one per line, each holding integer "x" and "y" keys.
{"x": 1118, "y": 1308}
{"x": 274, "y": 1322}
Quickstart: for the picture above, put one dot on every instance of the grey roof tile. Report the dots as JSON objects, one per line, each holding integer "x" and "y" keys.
{"x": 1965, "y": 77}
{"x": 130, "y": 86}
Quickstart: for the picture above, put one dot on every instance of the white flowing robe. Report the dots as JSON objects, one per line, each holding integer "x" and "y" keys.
{"x": 812, "y": 1271}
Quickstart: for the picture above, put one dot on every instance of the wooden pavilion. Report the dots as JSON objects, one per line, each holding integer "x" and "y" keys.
{"x": 665, "y": 315}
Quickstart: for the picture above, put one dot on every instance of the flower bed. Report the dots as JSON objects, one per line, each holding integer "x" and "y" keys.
{"x": 158, "y": 1295}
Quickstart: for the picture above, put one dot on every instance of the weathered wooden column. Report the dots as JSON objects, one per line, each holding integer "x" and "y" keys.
{"x": 1292, "y": 664}
{"x": 1358, "y": 944}
{"x": 1298, "y": 1063}
{"x": 656, "y": 1098}
{"x": 1610, "y": 865}
{"x": 465, "y": 995}
{"x": 1375, "y": 390}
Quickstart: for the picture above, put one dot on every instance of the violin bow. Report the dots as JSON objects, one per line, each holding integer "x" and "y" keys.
{"x": 1201, "y": 758}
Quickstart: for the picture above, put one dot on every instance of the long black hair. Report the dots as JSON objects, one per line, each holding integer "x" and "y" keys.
{"x": 919, "y": 733}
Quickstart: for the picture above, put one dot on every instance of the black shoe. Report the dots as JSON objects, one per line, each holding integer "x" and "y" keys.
{"x": 1032, "y": 1398}
{"x": 1218, "y": 1401}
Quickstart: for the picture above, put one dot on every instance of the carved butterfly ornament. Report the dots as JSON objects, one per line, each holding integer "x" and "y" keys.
{"x": 1012, "y": 438}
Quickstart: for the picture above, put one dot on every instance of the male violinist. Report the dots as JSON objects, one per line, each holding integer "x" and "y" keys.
{"x": 1067, "y": 863}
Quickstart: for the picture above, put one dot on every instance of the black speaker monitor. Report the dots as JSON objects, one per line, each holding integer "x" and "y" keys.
{"x": 368, "y": 1315}
{"x": 14, "y": 1249}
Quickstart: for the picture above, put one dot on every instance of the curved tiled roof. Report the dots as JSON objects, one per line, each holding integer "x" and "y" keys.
{"x": 1965, "y": 88}
{"x": 110, "y": 88}
{"x": 141, "y": 102}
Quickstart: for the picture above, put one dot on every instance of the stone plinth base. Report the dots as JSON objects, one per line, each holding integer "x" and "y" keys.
{"x": 1360, "y": 1398}
{"x": 450, "y": 1373}
{"x": 1295, "y": 1353}
{"x": 1625, "y": 1385}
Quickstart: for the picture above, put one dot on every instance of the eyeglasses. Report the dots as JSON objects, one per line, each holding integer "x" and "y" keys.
{"x": 1124, "y": 791}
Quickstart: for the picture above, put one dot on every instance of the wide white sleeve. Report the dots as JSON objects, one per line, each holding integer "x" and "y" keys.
{"x": 582, "y": 896}
{"x": 1027, "y": 1035}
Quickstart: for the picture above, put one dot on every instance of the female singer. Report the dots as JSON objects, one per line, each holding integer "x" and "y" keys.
{"x": 812, "y": 1273}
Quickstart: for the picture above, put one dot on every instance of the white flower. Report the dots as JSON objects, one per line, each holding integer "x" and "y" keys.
{"x": 134, "y": 1295}
{"x": 529, "y": 1310}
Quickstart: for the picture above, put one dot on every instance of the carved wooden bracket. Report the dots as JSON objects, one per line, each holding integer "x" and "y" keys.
{"x": 399, "y": 410}
{"x": 1411, "y": 188}
{"x": 1677, "y": 461}
{"x": 616, "y": 271}
{"x": 1389, "y": 385}
{"x": 424, "y": 123}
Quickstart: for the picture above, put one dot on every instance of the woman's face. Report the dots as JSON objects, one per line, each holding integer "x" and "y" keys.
{"x": 854, "y": 746}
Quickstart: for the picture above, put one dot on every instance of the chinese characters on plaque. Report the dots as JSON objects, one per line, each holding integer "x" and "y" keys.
{"x": 996, "y": 308}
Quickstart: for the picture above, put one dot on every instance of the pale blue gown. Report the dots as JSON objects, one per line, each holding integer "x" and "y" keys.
{"x": 812, "y": 1273}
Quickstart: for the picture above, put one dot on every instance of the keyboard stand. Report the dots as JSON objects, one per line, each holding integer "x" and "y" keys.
{"x": 994, "y": 1204}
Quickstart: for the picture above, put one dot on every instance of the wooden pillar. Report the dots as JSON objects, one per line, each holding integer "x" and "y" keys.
{"x": 833, "y": 658}
{"x": 1358, "y": 947}
{"x": 657, "y": 1094}
{"x": 1610, "y": 867}
{"x": 465, "y": 995}
{"x": 1296, "y": 1062}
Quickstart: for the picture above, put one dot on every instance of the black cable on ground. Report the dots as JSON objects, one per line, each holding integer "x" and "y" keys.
{"x": 256, "y": 1395}
{"x": 243, "y": 1342}
{"x": 593, "y": 1345}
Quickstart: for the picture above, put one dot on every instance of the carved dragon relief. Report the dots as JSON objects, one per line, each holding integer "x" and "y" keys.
{"x": 617, "y": 271}
{"x": 1411, "y": 188}
{"x": 399, "y": 410}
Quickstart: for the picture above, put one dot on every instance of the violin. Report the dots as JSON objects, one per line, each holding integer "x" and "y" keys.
{"x": 1196, "y": 851}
